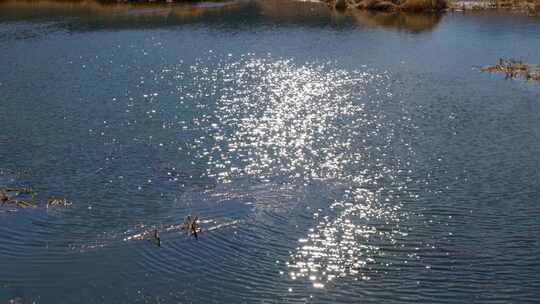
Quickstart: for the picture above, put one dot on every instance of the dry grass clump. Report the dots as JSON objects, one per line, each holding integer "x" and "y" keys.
{"x": 507, "y": 66}
{"x": 514, "y": 68}
{"x": 533, "y": 75}
{"x": 10, "y": 195}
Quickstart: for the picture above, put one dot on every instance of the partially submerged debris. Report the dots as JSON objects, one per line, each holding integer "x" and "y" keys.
{"x": 58, "y": 201}
{"x": 510, "y": 67}
{"x": 25, "y": 204}
{"x": 514, "y": 68}
{"x": 149, "y": 235}
{"x": 3, "y": 196}
{"x": 157, "y": 239}
{"x": 153, "y": 235}
{"x": 533, "y": 74}
{"x": 12, "y": 195}
{"x": 22, "y": 190}
{"x": 23, "y": 197}
{"x": 191, "y": 225}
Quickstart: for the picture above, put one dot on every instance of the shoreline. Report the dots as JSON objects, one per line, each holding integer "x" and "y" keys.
{"x": 531, "y": 7}
{"x": 154, "y": 14}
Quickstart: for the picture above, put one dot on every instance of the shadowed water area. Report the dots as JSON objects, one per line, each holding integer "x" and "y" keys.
{"x": 331, "y": 157}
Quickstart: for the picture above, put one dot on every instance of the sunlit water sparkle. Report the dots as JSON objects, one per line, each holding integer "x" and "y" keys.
{"x": 296, "y": 124}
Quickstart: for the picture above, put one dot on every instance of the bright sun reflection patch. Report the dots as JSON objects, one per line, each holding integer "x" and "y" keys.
{"x": 345, "y": 244}
{"x": 276, "y": 118}
{"x": 279, "y": 121}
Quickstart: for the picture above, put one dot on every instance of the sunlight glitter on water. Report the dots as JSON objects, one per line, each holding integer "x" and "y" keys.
{"x": 277, "y": 120}
{"x": 345, "y": 244}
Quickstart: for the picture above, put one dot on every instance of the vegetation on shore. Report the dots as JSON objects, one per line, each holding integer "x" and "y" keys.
{"x": 415, "y": 6}
{"x": 391, "y": 5}
{"x": 531, "y": 6}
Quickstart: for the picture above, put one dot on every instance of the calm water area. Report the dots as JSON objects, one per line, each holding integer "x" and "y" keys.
{"x": 331, "y": 157}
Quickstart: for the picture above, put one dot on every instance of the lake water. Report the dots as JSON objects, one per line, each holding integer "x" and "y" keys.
{"x": 331, "y": 157}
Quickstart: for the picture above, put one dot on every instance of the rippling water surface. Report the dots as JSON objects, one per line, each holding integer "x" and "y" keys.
{"x": 331, "y": 158}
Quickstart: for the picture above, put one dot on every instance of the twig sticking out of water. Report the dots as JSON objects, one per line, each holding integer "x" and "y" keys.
{"x": 191, "y": 225}
{"x": 3, "y": 196}
{"x": 157, "y": 239}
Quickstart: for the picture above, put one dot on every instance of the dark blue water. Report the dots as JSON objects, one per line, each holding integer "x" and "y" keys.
{"x": 331, "y": 158}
